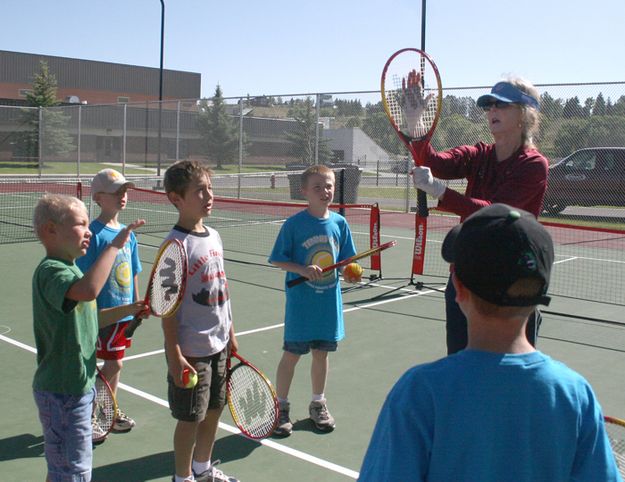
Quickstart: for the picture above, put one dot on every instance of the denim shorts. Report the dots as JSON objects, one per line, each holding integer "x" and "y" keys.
{"x": 190, "y": 404}
{"x": 66, "y": 422}
{"x": 303, "y": 347}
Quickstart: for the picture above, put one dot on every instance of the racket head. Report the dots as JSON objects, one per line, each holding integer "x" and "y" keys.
{"x": 105, "y": 409}
{"x": 252, "y": 400}
{"x": 615, "y": 429}
{"x": 168, "y": 279}
{"x": 402, "y": 65}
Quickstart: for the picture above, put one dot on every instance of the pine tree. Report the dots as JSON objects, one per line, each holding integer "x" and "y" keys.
{"x": 54, "y": 131}
{"x": 219, "y": 130}
{"x": 302, "y": 139}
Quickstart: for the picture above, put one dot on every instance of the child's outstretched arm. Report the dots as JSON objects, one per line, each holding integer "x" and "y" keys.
{"x": 89, "y": 286}
{"x": 108, "y": 316}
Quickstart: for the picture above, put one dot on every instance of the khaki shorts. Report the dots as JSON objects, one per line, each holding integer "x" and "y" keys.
{"x": 191, "y": 404}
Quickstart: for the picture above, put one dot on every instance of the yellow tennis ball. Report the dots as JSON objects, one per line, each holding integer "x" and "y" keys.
{"x": 189, "y": 378}
{"x": 353, "y": 271}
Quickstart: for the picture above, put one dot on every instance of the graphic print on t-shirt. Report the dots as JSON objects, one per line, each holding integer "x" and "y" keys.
{"x": 214, "y": 286}
{"x": 321, "y": 251}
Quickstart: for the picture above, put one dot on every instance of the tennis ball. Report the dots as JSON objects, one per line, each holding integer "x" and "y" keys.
{"x": 189, "y": 378}
{"x": 353, "y": 272}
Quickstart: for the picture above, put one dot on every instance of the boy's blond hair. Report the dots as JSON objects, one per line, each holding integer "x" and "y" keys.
{"x": 316, "y": 169}
{"x": 179, "y": 175}
{"x": 55, "y": 208}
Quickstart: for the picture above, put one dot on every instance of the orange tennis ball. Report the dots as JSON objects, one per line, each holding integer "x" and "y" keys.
{"x": 353, "y": 272}
{"x": 189, "y": 378}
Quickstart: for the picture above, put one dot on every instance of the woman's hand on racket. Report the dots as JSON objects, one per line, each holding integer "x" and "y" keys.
{"x": 413, "y": 104}
{"x": 423, "y": 179}
{"x": 124, "y": 235}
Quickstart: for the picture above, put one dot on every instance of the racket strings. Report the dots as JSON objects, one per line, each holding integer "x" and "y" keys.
{"x": 104, "y": 410}
{"x": 168, "y": 282}
{"x": 616, "y": 435}
{"x": 251, "y": 400}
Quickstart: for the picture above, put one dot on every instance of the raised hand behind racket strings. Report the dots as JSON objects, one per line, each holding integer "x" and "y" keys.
{"x": 167, "y": 283}
{"x": 413, "y": 104}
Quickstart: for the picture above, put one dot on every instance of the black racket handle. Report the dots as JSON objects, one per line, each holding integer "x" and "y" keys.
{"x": 132, "y": 326}
{"x": 422, "y": 204}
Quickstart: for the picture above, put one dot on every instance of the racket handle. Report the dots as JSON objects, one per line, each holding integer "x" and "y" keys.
{"x": 296, "y": 281}
{"x": 422, "y": 204}
{"x": 132, "y": 326}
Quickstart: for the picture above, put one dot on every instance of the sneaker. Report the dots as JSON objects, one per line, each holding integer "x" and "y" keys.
{"x": 320, "y": 416}
{"x": 123, "y": 423}
{"x": 213, "y": 474}
{"x": 284, "y": 427}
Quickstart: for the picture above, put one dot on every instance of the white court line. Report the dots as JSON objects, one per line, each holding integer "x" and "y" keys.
{"x": 228, "y": 428}
{"x": 566, "y": 260}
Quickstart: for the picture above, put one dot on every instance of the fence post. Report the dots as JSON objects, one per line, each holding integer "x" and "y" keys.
{"x": 124, "y": 140}
{"x": 317, "y": 110}
{"x": 40, "y": 143}
{"x": 79, "y": 139}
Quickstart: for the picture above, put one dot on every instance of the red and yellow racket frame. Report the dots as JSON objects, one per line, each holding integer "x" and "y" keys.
{"x": 416, "y": 146}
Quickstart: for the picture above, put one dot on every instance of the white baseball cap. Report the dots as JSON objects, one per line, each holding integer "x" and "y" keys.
{"x": 108, "y": 181}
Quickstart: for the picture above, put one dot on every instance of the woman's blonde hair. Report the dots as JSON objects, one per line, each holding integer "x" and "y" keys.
{"x": 530, "y": 117}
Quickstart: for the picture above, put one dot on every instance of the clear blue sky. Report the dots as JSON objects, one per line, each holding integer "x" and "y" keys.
{"x": 282, "y": 47}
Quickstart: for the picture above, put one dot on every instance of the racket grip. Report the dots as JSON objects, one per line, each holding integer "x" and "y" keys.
{"x": 296, "y": 281}
{"x": 422, "y": 204}
{"x": 132, "y": 326}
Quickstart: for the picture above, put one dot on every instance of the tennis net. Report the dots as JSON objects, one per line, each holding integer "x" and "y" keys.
{"x": 589, "y": 261}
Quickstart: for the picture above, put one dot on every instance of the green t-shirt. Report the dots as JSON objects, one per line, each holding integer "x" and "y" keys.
{"x": 65, "y": 331}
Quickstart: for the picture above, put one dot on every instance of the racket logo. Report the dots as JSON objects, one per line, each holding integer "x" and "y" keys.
{"x": 168, "y": 278}
{"x": 418, "y": 246}
{"x": 253, "y": 403}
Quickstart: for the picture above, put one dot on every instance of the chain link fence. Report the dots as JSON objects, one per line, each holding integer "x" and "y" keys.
{"x": 257, "y": 144}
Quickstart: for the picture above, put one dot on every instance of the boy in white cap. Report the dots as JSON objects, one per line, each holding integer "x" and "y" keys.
{"x": 109, "y": 190}
{"x": 499, "y": 409}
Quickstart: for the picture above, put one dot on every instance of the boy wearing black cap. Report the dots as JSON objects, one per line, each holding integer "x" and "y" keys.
{"x": 498, "y": 410}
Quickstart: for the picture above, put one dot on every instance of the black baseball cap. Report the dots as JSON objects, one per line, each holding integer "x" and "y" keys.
{"x": 495, "y": 247}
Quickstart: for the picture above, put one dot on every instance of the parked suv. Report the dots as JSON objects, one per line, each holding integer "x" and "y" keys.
{"x": 588, "y": 177}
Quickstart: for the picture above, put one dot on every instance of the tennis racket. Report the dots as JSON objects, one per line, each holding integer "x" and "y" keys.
{"x": 616, "y": 433}
{"x": 167, "y": 283}
{"x": 104, "y": 409}
{"x": 412, "y": 97}
{"x": 251, "y": 398}
{"x": 345, "y": 262}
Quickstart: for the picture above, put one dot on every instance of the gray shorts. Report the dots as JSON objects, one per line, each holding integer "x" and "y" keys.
{"x": 191, "y": 404}
{"x": 303, "y": 347}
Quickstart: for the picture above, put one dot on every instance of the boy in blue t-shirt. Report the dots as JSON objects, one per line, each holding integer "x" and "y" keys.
{"x": 309, "y": 241}
{"x": 109, "y": 191}
{"x": 499, "y": 409}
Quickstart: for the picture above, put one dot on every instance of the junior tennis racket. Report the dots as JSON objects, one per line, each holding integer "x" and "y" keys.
{"x": 345, "y": 262}
{"x": 251, "y": 398}
{"x": 104, "y": 409}
{"x": 616, "y": 433}
{"x": 412, "y": 97}
{"x": 167, "y": 283}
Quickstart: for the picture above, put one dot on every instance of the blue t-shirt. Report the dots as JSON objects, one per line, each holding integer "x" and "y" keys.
{"x": 314, "y": 309}
{"x": 119, "y": 288}
{"x": 480, "y": 416}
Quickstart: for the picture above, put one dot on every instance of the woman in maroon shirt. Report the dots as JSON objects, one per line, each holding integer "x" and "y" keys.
{"x": 509, "y": 171}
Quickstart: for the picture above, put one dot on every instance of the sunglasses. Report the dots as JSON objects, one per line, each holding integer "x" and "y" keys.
{"x": 498, "y": 104}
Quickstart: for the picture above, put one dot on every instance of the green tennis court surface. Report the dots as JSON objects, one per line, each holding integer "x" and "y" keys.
{"x": 390, "y": 326}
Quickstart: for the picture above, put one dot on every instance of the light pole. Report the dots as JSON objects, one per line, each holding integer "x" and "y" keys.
{"x": 160, "y": 90}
